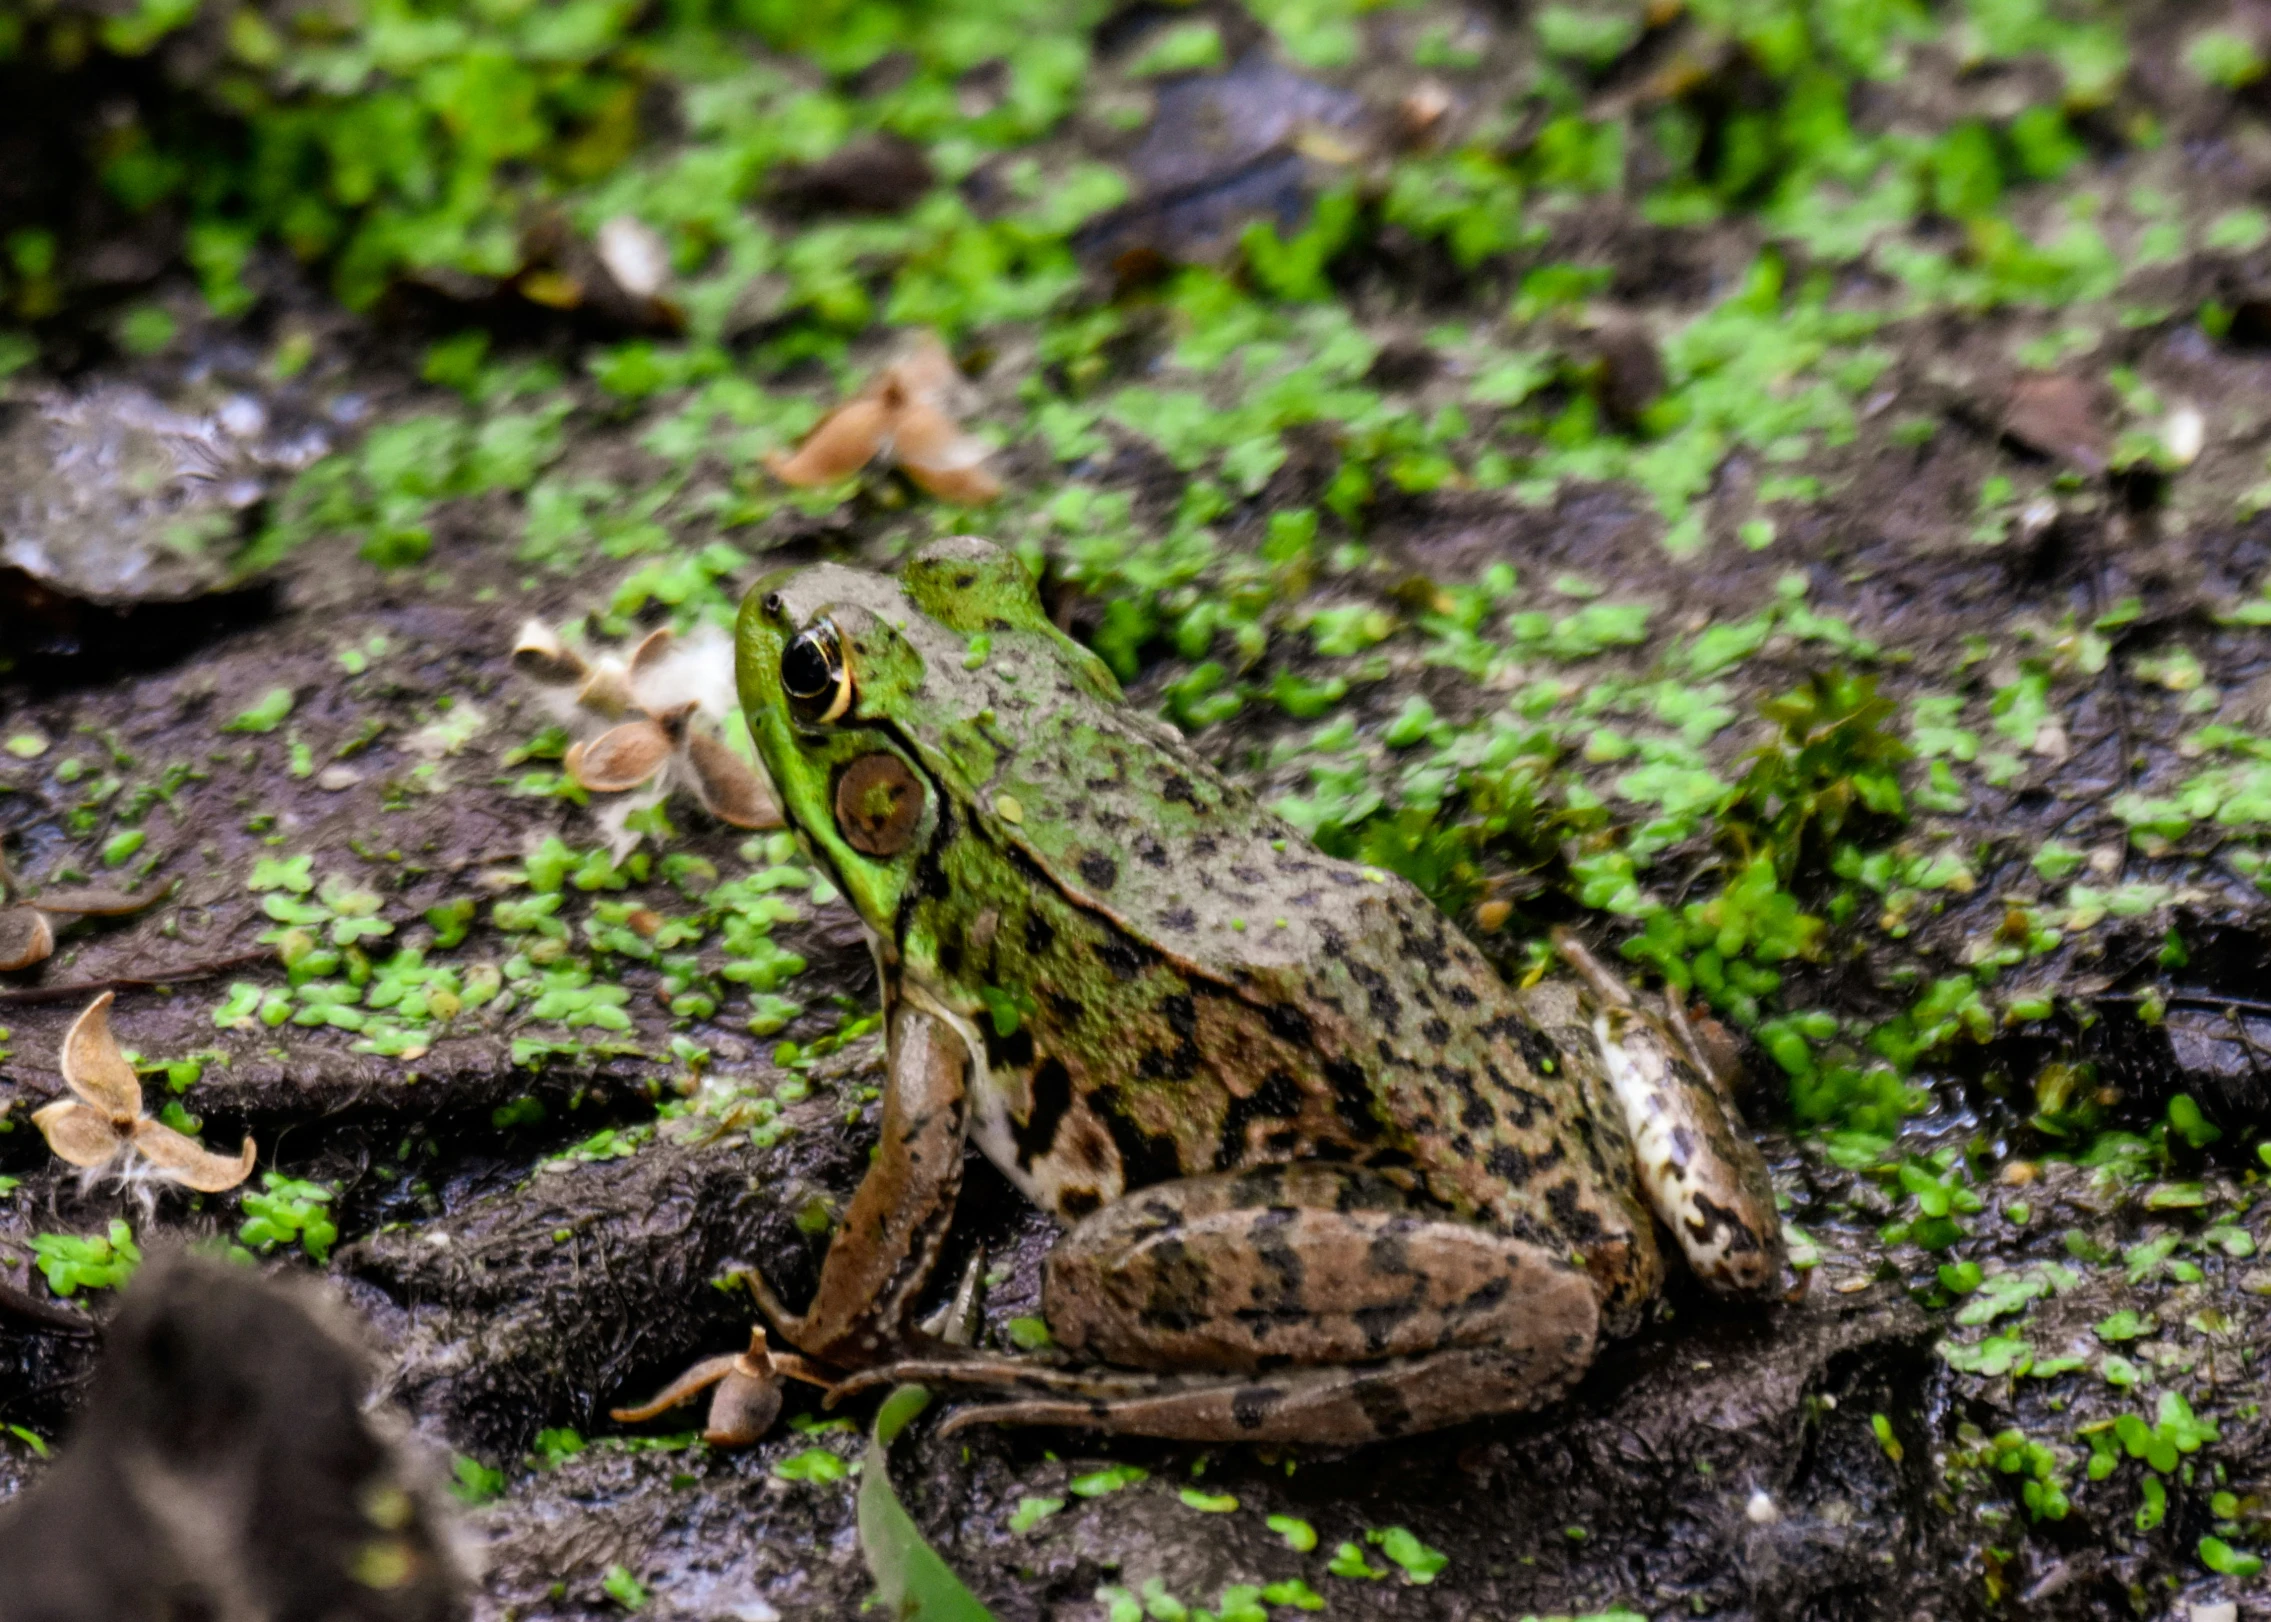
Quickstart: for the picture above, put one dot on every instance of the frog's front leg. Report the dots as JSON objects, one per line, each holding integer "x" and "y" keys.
{"x": 890, "y": 1237}
{"x": 1698, "y": 1166}
{"x": 1291, "y": 1303}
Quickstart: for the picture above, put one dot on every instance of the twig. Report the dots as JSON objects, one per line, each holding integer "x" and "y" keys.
{"x": 22, "y": 995}
{"x": 46, "y": 1312}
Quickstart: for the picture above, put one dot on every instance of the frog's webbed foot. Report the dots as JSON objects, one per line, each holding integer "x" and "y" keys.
{"x": 1328, "y": 1404}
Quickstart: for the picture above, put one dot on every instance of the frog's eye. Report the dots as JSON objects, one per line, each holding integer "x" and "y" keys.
{"x": 814, "y": 675}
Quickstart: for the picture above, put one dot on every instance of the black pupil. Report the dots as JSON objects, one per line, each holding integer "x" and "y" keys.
{"x": 806, "y": 669}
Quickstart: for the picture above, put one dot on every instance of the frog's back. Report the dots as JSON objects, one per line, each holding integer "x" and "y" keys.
{"x": 1266, "y": 1002}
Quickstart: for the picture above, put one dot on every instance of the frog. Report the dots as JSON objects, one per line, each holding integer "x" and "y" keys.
{"x": 1324, "y": 1175}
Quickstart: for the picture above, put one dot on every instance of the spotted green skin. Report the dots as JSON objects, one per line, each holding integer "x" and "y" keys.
{"x": 1329, "y": 1177}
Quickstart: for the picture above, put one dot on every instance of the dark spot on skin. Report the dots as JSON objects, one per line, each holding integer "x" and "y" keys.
{"x": 1382, "y": 1406}
{"x": 1718, "y": 1218}
{"x": 1175, "y": 786}
{"x": 1178, "y": 1063}
{"x": 1531, "y": 1107}
{"x": 1288, "y": 1023}
{"x": 1483, "y": 1299}
{"x": 950, "y": 957}
{"x": 1204, "y": 845}
{"x": 1099, "y": 872}
{"x": 1125, "y": 957}
{"x": 1244, "y": 874}
{"x": 1040, "y": 935}
{"x": 1388, "y": 1254}
{"x": 1478, "y": 1115}
{"x": 1580, "y": 1224}
{"x": 1378, "y": 1323}
{"x": 1180, "y": 919}
{"x": 1277, "y": 1098}
{"x": 1461, "y": 996}
{"x": 1052, "y": 1097}
{"x": 1145, "y": 1159}
{"x": 1382, "y": 999}
{"x": 1179, "y": 1287}
{"x": 963, "y": 582}
{"x": 1251, "y": 1404}
{"x": 1181, "y": 1014}
{"x": 1509, "y": 1165}
{"x": 1538, "y": 1049}
{"x": 1150, "y": 851}
{"x": 1352, "y": 1097}
{"x": 1683, "y": 1148}
{"x": 1436, "y": 1031}
{"x": 1078, "y": 1202}
{"x": 1011, "y": 1052}
{"x": 1070, "y": 1010}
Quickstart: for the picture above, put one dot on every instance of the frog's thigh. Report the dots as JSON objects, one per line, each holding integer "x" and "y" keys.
{"x": 898, "y": 1218}
{"x": 1306, "y": 1265}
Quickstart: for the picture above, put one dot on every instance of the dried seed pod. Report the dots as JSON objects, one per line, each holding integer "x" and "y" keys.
{"x": 650, "y": 650}
{"x": 846, "y": 441}
{"x": 95, "y": 1068}
{"x": 25, "y": 938}
{"x": 185, "y": 1161}
{"x": 730, "y": 789}
{"x": 943, "y": 459}
{"x": 540, "y": 655}
{"x": 621, "y": 757}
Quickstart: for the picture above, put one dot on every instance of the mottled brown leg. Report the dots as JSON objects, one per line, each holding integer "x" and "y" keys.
{"x": 890, "y": 1238}
{"x": 1309, "y": 1302}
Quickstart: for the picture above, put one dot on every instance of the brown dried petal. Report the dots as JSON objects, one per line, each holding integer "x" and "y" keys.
{"x": 730, "y": 789}
{"x": 541, "y": 656}
{"x": 25, "y": 938}
{"x": 621, "y": 757}
{"x": 843, "y": 444}
{"x": 2060, "y": 417}
{"x": 924, "y": 372}
{"x": 185, "y": 1161}
{"x": 77, "y": 1134}
{"x": 652, "y": 647}
{"x": 943, "y": 459}
{"x": 96, "y": 1070}
{"x": 93, "y": 903}
{"x": 607, "y": 691}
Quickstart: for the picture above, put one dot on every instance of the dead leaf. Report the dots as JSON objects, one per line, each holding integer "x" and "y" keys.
{"x": 89, "y": 1129}
{"x": 25, "y": 938}
{"x": 846, "y": 441}
{"x": 905, "y": 415}
{"x": 2061, "y": 417}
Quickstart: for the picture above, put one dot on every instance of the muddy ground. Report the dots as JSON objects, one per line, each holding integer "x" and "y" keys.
{"x": 582, "y": 1073}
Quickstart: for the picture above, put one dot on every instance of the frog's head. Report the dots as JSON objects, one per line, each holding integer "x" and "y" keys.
{"x": 870, "y": 705}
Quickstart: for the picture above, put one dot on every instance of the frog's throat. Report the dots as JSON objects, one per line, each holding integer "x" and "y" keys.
{"x": 989, "y": 1123}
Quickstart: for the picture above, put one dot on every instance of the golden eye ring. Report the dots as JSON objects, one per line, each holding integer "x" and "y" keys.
{"x": 815, "y": 676}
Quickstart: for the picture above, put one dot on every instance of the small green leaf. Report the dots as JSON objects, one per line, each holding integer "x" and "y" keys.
{"x": 623, "y": 1588}
{"x": 1299, "y": 1535}
{"x": 266, "y": 714}
{"x": 1210, "y": 1503}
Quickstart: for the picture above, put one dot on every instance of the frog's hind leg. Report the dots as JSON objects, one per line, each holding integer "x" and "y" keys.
{"x": 1329, "y": 1405}
{"x": 1311, "y": 1302}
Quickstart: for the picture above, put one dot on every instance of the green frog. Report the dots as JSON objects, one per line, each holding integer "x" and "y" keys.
{"x": 1326, "y": 1176}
